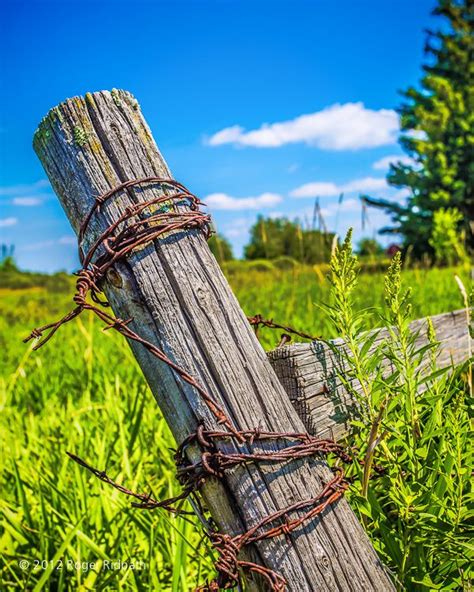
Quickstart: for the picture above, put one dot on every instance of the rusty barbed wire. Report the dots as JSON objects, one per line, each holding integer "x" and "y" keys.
{"x": 229, "y": 547}
{"x": 258, "y": 321}
{"x": 138, "y": 226}
{"x": 145, "y": 500}
{"x": 134, "y": 235}
{"x": 213, "y": 463}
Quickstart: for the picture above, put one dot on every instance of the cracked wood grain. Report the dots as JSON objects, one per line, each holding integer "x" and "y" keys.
{"x": 309, "y": 372}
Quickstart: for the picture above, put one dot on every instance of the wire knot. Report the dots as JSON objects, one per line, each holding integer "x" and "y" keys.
{"x": 35, "y": 334}
{"x": 86, "y": 282}
{"x": 100, "y": 199}
{"x": 227, "y": 564}
{"x": 117, "y": 324}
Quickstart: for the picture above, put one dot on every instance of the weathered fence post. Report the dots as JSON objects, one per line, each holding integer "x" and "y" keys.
{"x": 310, "y": 372}
{"x": 178, "y": 299}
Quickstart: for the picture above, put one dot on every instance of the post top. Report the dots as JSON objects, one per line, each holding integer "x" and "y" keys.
{"x": 55, "y": 113}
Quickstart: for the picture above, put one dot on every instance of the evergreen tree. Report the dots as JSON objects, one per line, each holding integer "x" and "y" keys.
{"x": 437, "y": 123}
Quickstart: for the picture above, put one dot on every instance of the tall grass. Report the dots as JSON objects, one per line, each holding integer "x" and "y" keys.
{"x": 292, "y": 296}
{"x": 84, "y": 393}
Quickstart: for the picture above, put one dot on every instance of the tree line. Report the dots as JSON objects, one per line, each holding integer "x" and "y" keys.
{"x": 272, "y": 238}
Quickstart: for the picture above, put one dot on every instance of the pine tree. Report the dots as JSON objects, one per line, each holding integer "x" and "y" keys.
{"x": 437, "y": 123}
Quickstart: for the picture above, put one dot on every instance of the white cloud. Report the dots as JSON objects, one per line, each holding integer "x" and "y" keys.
{"x": 228, "y": 135}
{"x": 222, "y": 201}
{"x": 21, "y": 189}
{"x": 318, "y": 188}
{"x": 416, "y": 134}
{"x": 401, "y": 194}
{"x": 67, "y": 240}
{"x": 26, "y": 201}
{"x": 348, "y": 205}
{"x": 4, "y": 222}
{"x": 329, "y": 189}
{"x": 364, "y": 184}
{"x": 339, "y": 127}
{"x": 238, "y": 227}
{"x": 63, "y": 241}
{"x": 385, "y": 162}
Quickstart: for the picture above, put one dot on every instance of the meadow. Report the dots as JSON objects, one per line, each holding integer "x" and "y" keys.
{"x": 77, "y": 394}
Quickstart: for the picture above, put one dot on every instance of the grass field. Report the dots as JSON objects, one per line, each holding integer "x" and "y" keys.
{"x": 83, "y": 392}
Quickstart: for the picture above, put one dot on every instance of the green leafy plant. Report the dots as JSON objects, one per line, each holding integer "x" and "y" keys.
{"x": 411, "y": 423}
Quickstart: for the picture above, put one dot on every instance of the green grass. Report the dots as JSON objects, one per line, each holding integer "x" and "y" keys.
{"x": 83, "y": 392}
{"x": 294, "y": 297}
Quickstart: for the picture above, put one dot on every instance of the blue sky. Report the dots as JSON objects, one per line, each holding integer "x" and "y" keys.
{"x": 258, "y": 107}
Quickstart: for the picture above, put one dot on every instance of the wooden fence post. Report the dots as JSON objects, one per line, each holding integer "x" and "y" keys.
{"x": 309, "y": 372}
{"x": 178, "y": 299}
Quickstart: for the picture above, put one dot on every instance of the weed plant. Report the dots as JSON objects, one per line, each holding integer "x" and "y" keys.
{"x": 411, "y": 423}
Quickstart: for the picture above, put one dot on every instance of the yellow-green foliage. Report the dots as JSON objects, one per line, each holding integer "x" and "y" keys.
{"x": 411, "y": 435}
{"x": 446, "y": 240}
{"x": 84, "y": 393}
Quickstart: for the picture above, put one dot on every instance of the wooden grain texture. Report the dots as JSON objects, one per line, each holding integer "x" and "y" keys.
{"x": 308, "y": 372}
{"x": 179, "y": 299}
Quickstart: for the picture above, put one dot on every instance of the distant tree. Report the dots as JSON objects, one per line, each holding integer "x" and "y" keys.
{"x": 220, "y": 248}
{"x": 277, "y": 237}
{"x": 437, "y": 124}
{"x": 8, "y": 264}
{"x": 270, "y": 238}
{"x": 7, "y": 260}
{"x": 369, "y": 246}
{"x": 6, "y": 251}
{"x": 316, "y": 246}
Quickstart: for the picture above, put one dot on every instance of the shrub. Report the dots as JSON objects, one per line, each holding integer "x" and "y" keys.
{"x": 260, "y": 265}
{"x": 446, "y": 239}
{"x": 414, "y": 427}
{"x": 370, "y": 247}
{"x": 220, "y": 248}
{"x": 285, "y": 263}
{"x": 233, "y": 267}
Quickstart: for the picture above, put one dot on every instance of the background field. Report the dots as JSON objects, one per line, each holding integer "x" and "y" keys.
{"x": 84, "y": 393}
